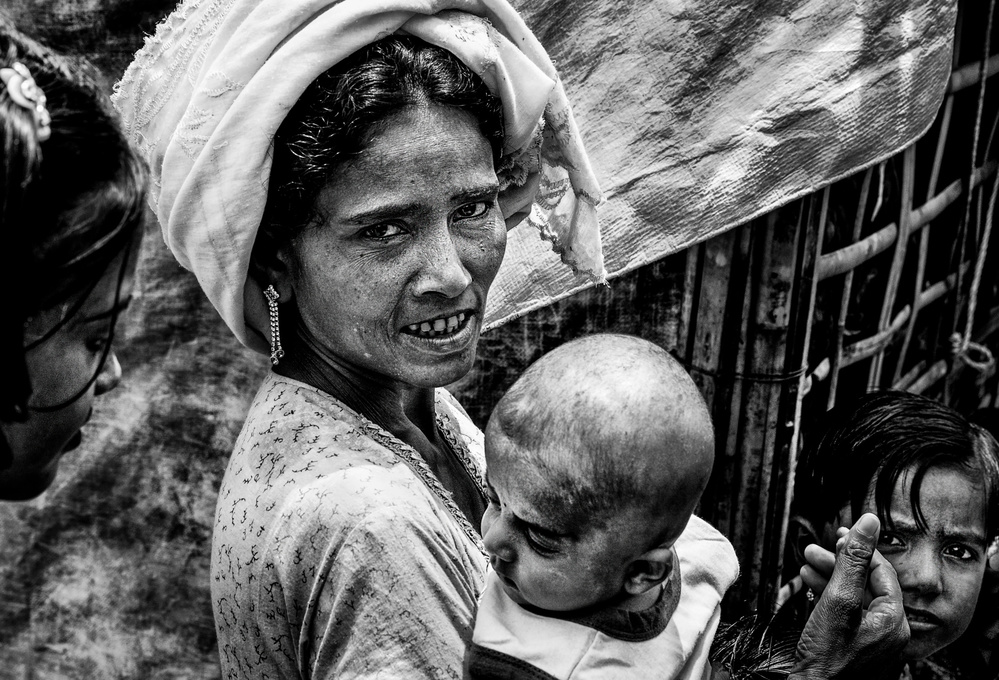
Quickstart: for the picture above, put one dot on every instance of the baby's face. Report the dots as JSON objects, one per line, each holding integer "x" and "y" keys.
{"x": 940, "y": 570}
{"x": 541, "y": 560}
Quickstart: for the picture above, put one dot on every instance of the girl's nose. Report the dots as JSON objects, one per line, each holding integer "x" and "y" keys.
{"x": 109, "y": 376}
{"x": 921, "y": 572}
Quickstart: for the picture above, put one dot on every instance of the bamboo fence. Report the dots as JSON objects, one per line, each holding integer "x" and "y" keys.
{"x": 858, "y": 286}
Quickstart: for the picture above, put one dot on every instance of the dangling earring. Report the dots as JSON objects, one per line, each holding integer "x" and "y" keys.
{"x": 272, "y": 307}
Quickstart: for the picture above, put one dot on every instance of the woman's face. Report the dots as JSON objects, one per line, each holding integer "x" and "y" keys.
{"x": 394, "y": 282}
{"x": 941, "y": 569}
{"x": 59, "y": 368}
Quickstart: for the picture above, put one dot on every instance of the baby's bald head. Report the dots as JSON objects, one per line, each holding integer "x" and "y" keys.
{"x": 618, "y": 425}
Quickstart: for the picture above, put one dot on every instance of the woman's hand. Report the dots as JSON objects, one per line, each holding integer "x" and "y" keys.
{"x": 841, "y": 639}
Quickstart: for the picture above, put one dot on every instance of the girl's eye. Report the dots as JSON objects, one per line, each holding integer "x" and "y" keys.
{"x": 959, "y": 552}
{"x": 889, "y": 540}
{"x": 472, "y": 210}
{"x": 97, "y": 345}
{"x": 381, "y": 232}
{"x": 540, "y": 543}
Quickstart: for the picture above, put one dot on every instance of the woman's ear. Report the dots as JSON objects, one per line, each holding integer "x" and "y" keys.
{"x": 800, "y": 534}
{"x": 649, "y": 570}
{"x": 275, "y": 268}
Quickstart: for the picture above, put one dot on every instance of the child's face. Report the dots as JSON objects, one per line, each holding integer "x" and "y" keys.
{"x": 940, "y": 571}
{"x": 542, "y": 561}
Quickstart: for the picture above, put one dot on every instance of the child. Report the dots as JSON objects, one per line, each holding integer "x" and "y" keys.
{"x": 932, "y": 477}
{"x": 595, "y": 460}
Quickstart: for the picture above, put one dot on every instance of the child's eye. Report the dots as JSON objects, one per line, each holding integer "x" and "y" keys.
{"x": 960, "y": 552}
{"x": 97, "y": 345}
{"x": 889, "y": 540}
{"x": 544, "y": 545}
{"x": 472, "y": 210}
{"x": 382, "y": 232}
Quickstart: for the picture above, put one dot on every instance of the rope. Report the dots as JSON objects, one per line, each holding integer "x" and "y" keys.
{"x": 960, "y": 345}
{"x": 973, "y": 354}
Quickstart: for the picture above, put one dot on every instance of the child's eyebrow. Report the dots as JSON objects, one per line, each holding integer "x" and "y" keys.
{"x": 960, "y": 534}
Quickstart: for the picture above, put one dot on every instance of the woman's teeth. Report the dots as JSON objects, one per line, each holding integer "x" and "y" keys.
{"x": 441, "y": 326}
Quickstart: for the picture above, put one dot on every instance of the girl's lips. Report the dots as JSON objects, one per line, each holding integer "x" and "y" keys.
{"x": 922, "y": 620}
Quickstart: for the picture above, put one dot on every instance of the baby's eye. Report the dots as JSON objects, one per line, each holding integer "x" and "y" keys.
{"x": 472, "y": 210}
{"x": 542, "y": 543}
{"x": 960, "y": 552}
{"x": 382, "y": 232}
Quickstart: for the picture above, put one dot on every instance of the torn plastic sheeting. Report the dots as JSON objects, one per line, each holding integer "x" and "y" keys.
{"x": 699, "y": 116}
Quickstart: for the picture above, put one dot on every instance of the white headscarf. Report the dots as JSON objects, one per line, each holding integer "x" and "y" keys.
{"x": 205, "y": 96}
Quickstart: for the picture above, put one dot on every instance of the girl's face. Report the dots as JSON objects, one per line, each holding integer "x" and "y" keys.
{"x": 60, "y": 367}
{"x": 393, "y": 284}
{"x": 940, "y": 570}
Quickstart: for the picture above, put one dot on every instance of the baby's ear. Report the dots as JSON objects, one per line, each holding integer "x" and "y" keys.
{"x": 649, "y": 570}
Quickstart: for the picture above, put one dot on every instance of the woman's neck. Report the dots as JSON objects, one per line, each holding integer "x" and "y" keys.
{"x": 394, "y": 406}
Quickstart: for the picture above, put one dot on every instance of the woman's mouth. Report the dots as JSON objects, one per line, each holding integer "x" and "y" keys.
{"x": 439, "y": 327}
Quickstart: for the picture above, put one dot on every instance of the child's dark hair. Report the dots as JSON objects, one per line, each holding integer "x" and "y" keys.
{"x": 69, "y": 205}
{"x": 880, "y": 436}
{"x": 340, "y": 112}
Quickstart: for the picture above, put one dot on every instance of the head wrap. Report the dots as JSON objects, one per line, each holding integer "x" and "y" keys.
{"x": 205, "y": 96}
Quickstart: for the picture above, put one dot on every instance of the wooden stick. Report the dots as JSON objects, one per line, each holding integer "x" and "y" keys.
{"x": 844, "y": 303}
{"x": 898, "y": 260}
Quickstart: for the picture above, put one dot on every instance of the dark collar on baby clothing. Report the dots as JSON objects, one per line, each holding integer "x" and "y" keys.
{"x": 623, "y": 624}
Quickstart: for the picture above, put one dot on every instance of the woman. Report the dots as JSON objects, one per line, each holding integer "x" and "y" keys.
{"x": 71, "y": 212}
{"x": 396, "y": 142}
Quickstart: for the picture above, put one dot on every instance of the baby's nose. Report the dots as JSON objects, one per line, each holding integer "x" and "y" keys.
{"x": 498, "y": 544}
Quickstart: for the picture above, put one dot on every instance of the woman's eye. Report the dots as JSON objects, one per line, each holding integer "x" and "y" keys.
{"x": 959, "y": 552}
{"x": 381, "y": 232}
{"x": 472, "y": 210}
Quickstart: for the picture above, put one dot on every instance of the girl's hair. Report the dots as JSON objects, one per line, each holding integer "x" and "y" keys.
{"x": 340, "y": 113}
{"x": 878, "y": 437}
{"x": 68, "y": 205}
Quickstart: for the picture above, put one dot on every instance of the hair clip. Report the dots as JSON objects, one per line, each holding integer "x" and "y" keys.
{"x": 25, "y": 93}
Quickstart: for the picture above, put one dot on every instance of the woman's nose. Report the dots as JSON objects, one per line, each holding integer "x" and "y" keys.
{"x": 109, "y": 376}
{"x": 443, "y": 271}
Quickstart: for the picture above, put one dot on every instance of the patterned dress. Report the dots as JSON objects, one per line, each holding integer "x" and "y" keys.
{"x": 331, "y": 556}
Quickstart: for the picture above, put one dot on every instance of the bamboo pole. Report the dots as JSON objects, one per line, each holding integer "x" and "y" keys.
{"x": 844, "y": 304}
{"x": 898, "y": 260}
{"x": 924, "y": 235}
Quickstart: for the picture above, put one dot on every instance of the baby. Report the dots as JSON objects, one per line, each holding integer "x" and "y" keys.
{"x": 595, "y": 460}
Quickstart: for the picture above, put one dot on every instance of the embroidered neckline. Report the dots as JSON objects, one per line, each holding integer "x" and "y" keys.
{"x": 412, "y": 458}
{"x": 417, "y": 464}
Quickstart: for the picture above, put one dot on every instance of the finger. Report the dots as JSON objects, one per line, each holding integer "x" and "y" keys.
{"x": 814, "y": 579}
{"x": 820, "y": 559}
{"x": 849, "y": 577}
{"x": 842, "y": 531}
{"x": 883, "y": 583}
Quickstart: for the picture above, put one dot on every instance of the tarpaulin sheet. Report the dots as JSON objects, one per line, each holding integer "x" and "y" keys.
{"x": 700, "y": 115}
